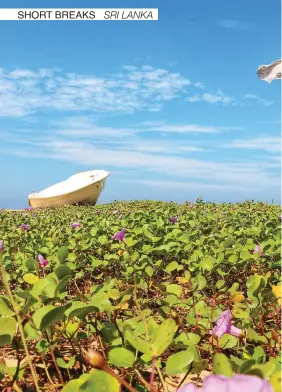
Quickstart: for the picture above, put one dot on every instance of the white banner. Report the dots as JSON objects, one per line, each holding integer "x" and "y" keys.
{"x": 79, "y": 14}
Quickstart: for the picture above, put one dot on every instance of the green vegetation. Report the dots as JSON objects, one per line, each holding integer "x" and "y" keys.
{"x": 184, "y": 289}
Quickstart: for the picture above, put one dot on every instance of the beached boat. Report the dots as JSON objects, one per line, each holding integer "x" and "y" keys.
{"x": 81, "y": 188}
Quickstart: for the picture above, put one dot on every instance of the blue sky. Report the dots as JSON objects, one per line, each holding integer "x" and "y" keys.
{"x": 172, "y": 108}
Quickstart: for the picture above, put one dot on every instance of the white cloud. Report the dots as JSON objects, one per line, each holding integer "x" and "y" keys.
{"x": 176, "y": 185}
{"x": 217, "y": 98}
{"x": 235, "y": 24}
{"x": 24, "y": 92}
{"x": 160, "y": 160}
{"x": 267, "y": 143}
{"x": 255, "y": 98}
{"x": 186, "y": 128}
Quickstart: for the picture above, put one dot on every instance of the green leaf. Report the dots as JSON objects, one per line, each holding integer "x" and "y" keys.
{"x": 228, "y": 243}
{"x": 222, "y": 365}
{"x": 163, "y": 337}
{"x": 136, "y": 342}
{"x": 62, "y": 271}
{"x": 255, "y": 284}
{"x": 199, "y": 282}
{"x": 114, "y": 294}
{"x": 79, "y": 309}
{"x": 228, "y": 341}
{"x": 8, "y": 327}
{"x": 73, "y": 385}
{"x": 259, "y": 355}
{"x": 254, "y": 336}
{"x": 174, "y": 289}
{"x": 172, "y": 266}
{"x": 206, "y": 265}
{"x": 275, "y": 381}
{"x": 5, "y": 309}
{"x": 62, "y": 253}
{"x": 149, "y": 271}
{"x": 188, "y": 339}
{"x": 65, "y": 365}
{"x": 30, "y": 278}
{"x": 42, "y": 346}
{"x": 98, "y": 380}
{"x": 47, "y": 315}
{"x": 178, "y": 363}
{"x": 121, "y": 357}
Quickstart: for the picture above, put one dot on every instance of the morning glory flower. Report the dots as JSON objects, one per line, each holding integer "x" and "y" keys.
{"x": 173, "y": 219}
{"x": 119, "y": 236}
{"x": 223, "y": 325}
{"x": 257, "y": 249}
{"x": 24, "y": 227}
{"x": 237, "y": 383}
{"x": 75, "y": 224}
{"x": 1, "y": 245}
{"x": 42, "y": 262}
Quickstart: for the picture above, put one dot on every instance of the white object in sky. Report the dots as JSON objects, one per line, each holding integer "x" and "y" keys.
{"x": 270, "y": 72}
{"x": 82, "y": 188}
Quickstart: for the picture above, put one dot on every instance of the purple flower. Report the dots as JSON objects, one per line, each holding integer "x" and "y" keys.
{"x": 1, "y": 245}
{"x": 223, "y": 325}
{"x": 257, "y": 249}
{"x": 280, "y": 217}
{"x": 173, "y": 219}
{"x": 120, "y": 217}
{"x": 75, "y": 224}
{"x": 119, "y": 236}
{"x": 42, "y": 262}
{"x": 24, "y": 227}
{"x": 237, "y": 383}
{"x": 28, "y": 209}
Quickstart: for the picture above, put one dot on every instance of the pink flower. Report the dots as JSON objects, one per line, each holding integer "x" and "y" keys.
{"x": 257, "y": 248}
{"x": 42, "y": 262}
{"x": 1, "y": 245}
{"x": 223, "y": 325}
{"x": 24, "y": 227}
{"x": 237, "y": 383}
{"x": 173, "y": 219}
{"x": 75, "y": 224}
{"x": 119, "y": 236}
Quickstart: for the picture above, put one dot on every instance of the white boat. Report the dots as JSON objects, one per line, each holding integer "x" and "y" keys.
{"x": 81, "y": 188}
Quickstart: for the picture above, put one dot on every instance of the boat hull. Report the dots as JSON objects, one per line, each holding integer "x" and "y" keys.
{"x": 87, "y": 195}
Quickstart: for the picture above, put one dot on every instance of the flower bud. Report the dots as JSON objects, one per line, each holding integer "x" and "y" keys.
{"x": 94, "y": 359}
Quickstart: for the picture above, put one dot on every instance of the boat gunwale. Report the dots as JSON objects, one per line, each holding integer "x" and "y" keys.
{"x": 34, "y": 195}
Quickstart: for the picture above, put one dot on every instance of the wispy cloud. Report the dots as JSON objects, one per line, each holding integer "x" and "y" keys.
{"x": 87, "y": 127}
{"x": 177, "y": 185}
{"x": 219, "y": 98}
{"x": 160, "y": 160}
{"x": 235, "y": 24}
{"x": 253, "y": 98}
{"x": 23, "y": 92}
{"x": 265, "y": 143}
{"x": 186, "y": 128}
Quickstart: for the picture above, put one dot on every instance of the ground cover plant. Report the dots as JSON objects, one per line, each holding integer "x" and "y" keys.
{"x": 141, "y": 296}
